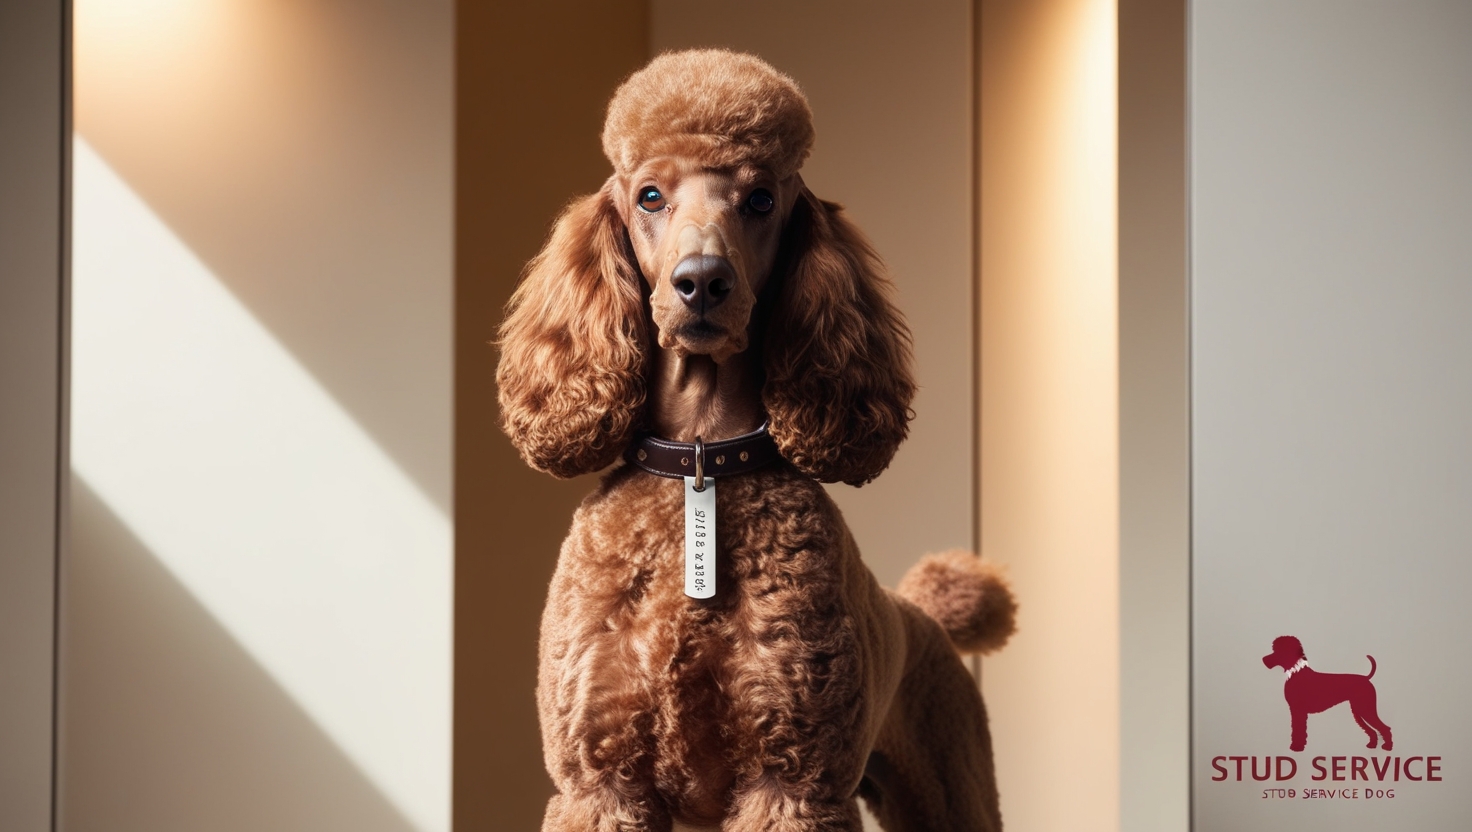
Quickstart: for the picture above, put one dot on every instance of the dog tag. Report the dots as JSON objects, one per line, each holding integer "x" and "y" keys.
{"x": 700, "y": 539}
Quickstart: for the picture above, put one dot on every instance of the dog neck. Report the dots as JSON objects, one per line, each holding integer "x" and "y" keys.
{"x": 694, "y": 396}
{"x": 1301, "y": 664}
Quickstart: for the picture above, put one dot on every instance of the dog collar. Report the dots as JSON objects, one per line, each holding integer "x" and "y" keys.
{"x": 1302, "y": 663}
{"x": 725, "y": 458}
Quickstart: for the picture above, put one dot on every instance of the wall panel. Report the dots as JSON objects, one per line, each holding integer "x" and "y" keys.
{"x": 1049, "y": 403}
{"x": 258, "y": 625}
{"x": 1331, "y": 197}
{"x": 532, "y": 81}
{"x": 34, "y": 115}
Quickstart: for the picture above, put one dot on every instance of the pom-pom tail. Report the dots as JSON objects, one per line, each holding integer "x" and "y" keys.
{"x": 967, "y": 596}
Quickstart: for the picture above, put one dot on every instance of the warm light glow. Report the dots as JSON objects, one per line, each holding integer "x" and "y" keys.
{"x": 1050, "y": 402}
{"x": 160, "y": 22}
{"x": 260, "y": 493}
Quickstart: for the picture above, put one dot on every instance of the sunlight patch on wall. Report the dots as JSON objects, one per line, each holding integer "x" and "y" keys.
{"x": 261, "y": 494}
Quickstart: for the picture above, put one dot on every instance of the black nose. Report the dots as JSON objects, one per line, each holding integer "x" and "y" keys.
{"x": 703, "y": 280}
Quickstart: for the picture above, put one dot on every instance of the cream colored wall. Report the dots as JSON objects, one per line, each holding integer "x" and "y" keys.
{"x": 1049, "y": 404}
{"x": 257, "y": 629}
{"x": 891, "y": 92}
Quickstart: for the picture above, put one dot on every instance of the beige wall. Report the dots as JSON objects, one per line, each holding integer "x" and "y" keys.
{"x": 531, "y": 84}
{"x": 258, "y": 623}
{"x": 33, "y": 115}
{"x": 891, "y": 92}
{"x": 1049, "y": 404}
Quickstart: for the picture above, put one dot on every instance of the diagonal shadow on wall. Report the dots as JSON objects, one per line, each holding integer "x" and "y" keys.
{"x": 139, "y": 646}
{"x": 304, "y": 152}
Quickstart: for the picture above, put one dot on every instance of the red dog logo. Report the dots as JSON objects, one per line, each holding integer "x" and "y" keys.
{"x": 1311, "y": 692}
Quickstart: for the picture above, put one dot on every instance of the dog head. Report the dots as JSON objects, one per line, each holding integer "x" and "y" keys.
{"x": 1287, "y": 650}
{"x": 704, "y": 220}
{"x": 705, "y": 147}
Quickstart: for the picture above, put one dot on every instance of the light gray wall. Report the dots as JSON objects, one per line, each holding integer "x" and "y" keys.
{"x": 1331, "y": 234}
{"x": 33, "y": 117}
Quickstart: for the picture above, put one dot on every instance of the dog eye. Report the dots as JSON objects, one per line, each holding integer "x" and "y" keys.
{"x": 761, "y": 201}
{"x": 651, "y": 200}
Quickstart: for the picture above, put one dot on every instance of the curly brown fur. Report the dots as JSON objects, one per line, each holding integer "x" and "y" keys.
{"x": 966, "y": 596}
{"x": 718, "y": 107}
{"x": 837, "y": 353}
{"x": 802, "y": 683}
{"x": 764, "y": 708}
{"x": 574, "y": 344}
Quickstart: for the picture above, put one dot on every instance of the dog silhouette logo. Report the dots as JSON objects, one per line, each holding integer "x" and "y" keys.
{"x": 1311, "y": 692}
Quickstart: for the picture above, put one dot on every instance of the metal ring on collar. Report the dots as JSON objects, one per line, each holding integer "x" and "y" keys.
{"x": 699, "y": 464}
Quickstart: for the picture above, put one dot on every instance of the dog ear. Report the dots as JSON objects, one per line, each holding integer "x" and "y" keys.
{"x": 838, "y": 380}
{"x": 573, "y": 345}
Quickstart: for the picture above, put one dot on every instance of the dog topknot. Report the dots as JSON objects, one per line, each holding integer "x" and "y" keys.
{"x": 721, "y": 107}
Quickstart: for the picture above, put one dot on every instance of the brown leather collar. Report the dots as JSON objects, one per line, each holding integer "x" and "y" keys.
{"x": 725, "y": 458}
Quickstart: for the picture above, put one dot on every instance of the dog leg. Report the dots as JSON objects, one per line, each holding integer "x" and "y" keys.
{"x": 931, "y": 770}
{"x": 771, "y": 807}
{"x": 1300, "y": 728}
{"x": 603, "y": 811}
{"x": 1365, "y": 713}
{"x": 1364, "y": 726}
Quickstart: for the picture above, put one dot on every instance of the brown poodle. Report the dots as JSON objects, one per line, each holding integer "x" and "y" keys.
{"x": 702, "y": 294}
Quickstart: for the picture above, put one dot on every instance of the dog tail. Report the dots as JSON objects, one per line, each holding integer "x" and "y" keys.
{"x": 968, "y": 597}
{"x": 1372, "y": 667}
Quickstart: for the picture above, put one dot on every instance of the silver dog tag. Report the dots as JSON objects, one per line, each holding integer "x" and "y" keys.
{"x": 700, "y": 539}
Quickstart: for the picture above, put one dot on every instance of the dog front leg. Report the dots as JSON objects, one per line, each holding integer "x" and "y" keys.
{"x": 603, "y": 811}
{"x": 774, "y": 806}
{"x": 603, "y": 770}
{"x": 598, "y": 744}
{"x": 1300, "y": 729}
{"x": 799, "y": 746}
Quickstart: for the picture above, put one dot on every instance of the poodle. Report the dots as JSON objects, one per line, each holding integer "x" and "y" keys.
{"x": 733, "y": 338}
{"x": 1310, "y": 692}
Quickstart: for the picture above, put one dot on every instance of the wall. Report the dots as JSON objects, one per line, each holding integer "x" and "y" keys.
{"x": 1331, "y": 197}
{"x": 257, "y": 629}
{"x": 531, "y": 84}
{"x": 1154, "y": 421}
{"x": 33, "y": 126}
{"x": 1049, "y": 403}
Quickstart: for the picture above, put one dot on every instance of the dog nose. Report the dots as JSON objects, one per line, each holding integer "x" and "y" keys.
{"x": 703, "y": 280}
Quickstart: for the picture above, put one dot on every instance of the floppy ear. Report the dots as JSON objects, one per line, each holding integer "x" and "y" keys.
{"x": 838, "y": 383}
{"x": 573, "y": 343}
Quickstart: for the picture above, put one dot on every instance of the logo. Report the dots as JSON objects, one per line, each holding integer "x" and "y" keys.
{"x": 1311, "y": 692}
{"x": 1342, "y": 776}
